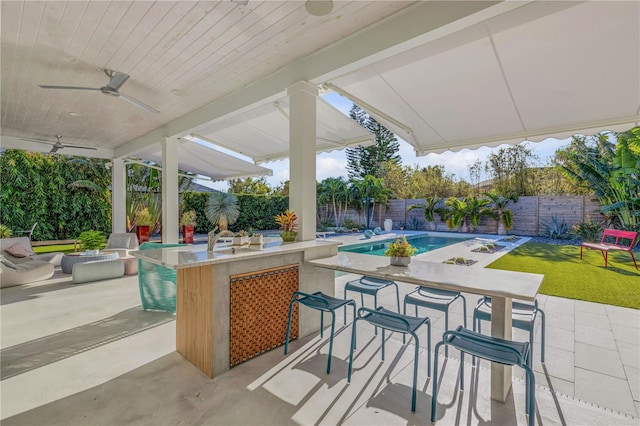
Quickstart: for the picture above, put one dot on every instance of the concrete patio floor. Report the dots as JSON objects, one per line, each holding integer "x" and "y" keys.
{"x": 87, "y": 354}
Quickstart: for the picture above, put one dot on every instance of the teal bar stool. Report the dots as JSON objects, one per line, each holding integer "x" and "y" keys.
{"x": 322, "y": 303}
{"x": 392, "y": 321}
{"x": 523, "y": 317}
{"x": 493, "y": 349}
{"x": 440, "y": 300}
{"x": 370, "y": 286}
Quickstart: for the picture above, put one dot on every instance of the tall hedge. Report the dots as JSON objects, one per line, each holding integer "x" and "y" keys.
{"x": 256, "y": 211}
{"x": 35, "y": 188}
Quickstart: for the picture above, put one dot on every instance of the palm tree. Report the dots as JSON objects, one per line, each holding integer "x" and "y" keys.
{"x": 335, "y": 191}
{"x": 477, "y": 209}
{"x": 222, "y": 209}
{"x": 429, "y": 210}
{"x": 368, "y": 192}
{"x": 610, "y": 170}
{"x": 467, "y": 213}
{"x": 504, "y": 216}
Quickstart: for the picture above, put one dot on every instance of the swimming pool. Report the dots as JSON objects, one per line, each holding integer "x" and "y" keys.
{"x": 423, "y": 243}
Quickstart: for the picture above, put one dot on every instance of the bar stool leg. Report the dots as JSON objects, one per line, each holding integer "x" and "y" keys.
{"x": 434, "y": 391}
{"x": 333, "y": 323}
{"x": 542, "y": 338}
{"x": 353, "y": 348}
{"x": 286, "y": 341}
{"x": 415, "y": 372}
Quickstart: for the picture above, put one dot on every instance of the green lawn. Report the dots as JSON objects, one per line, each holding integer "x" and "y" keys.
{"x": 64, "y": 248}
{"x": 565, "y": 275}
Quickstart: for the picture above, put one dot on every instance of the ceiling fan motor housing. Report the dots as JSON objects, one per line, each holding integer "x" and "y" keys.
{"x": 109, "y": 91}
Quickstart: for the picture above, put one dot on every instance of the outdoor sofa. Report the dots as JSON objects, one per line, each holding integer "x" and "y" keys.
{"x": 20, "y": 265}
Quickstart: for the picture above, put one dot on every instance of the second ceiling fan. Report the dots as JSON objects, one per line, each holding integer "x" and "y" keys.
{"x": 112, "y": 88}
{"x": 59, "y": 145}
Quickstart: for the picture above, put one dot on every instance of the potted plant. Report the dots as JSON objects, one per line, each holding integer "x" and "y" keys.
{"x": 288, "y": 225}
{"x": 92, "y": 241}
{"x": 144, "y": 220}
{"x": 400, "y": 252}
{"x": 256, "y": 239}
{"x": 222, "y": 209}
{"x": 241, "y": 238}
{"x": 503, "y": 215}
{"x": 188, "y": 221}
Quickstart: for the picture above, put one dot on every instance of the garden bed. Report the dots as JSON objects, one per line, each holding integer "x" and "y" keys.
{"x": 460, "y": 261}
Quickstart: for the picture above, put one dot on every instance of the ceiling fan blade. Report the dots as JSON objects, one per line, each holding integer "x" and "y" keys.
{"x": 38, "y": 140}
{"x": 69, "y": 87}
{"x": 58, "y": 145}
{"x": 66, "y": 145}
{"x": 139, "y": 103}
{"x": 117, "y": 79}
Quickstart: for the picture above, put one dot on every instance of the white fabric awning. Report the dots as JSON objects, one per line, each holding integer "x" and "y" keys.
{"x": 205, "y": 161}
{"x": 543, "y": 69}
{"x": 262, "y": 133}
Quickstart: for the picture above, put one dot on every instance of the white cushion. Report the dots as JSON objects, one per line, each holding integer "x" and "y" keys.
{"x": 9, "y": 264}
{"x": 119, "y": 241}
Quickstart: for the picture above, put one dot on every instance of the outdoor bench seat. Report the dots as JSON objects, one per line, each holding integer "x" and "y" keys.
{"x": 97, "y": 270}
{"x": 613, "y": 240}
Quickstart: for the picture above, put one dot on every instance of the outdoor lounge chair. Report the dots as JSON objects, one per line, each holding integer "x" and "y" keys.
{"x": 122, "y": 243}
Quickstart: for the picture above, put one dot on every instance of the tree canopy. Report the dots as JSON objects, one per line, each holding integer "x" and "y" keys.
{"x": 368, "y": 160}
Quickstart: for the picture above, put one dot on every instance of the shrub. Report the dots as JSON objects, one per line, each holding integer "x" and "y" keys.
{"x": 415, "y": 224}
{"x": 351, "y": 224}
{"x": 5, "y": 232}
{"x": 91, "y": 240}
{"x": 588, "y": 231}
{"x": 556, "y": 229}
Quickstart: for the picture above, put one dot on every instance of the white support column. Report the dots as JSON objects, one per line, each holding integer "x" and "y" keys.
{"x": 302, "y": 157}
{"x": 118, "y": 195}
{"x": 170, "y": 194}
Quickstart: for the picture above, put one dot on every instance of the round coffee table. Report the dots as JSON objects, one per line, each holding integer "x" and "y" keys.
{"x": 70, "y": 259}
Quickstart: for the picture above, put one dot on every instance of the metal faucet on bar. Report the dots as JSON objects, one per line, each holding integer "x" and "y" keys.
{"x": 213, "y": 237}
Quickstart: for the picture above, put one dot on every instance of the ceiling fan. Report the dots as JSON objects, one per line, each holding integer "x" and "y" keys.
{"x": 57, "y": 145}
{"x": 112, "y": 88}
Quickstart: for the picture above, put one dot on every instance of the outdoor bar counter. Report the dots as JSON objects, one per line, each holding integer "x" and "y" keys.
{"x": 232, "y": 304}
{"x": 502, "y": 286}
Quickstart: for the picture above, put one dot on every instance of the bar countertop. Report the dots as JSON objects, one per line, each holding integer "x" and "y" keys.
{"x": 482, "y": 281}
{"x": 188, "y": 256}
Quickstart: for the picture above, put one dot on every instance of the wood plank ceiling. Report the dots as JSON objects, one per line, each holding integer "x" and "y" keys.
{"x": 180, "y": 55}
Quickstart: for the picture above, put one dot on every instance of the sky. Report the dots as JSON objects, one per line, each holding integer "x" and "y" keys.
{"x": 334, "y": 164}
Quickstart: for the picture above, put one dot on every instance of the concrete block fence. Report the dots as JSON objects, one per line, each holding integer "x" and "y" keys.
{"x": 529, "y": 214}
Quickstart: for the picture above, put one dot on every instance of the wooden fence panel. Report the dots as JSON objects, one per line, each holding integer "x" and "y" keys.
{"x": 529, "y": 214}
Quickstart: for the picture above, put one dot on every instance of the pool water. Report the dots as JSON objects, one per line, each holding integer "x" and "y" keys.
{"x": 423, "y": 243}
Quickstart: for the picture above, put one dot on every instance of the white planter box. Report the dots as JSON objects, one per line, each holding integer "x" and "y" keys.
{"x": 240, "y": 241}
